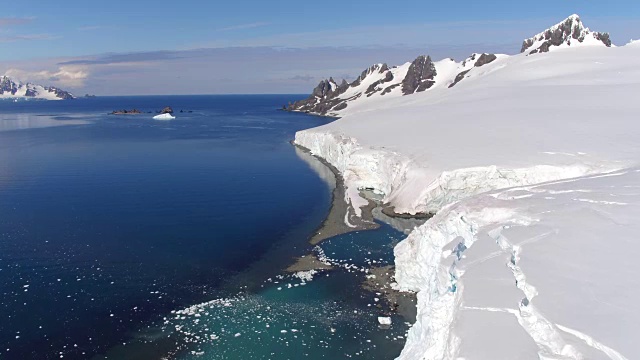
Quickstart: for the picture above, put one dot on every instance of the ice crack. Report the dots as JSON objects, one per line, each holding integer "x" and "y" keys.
{"x": 543, "y": 332}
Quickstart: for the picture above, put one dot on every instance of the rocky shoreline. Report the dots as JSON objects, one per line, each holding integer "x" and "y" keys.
{"x": 379, "y": 280}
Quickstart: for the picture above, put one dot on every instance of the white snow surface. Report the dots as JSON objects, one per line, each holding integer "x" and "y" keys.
{"x": 532, "y": 166}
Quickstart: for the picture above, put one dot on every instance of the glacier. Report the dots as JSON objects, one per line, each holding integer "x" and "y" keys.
{"x": 531, "y": 166}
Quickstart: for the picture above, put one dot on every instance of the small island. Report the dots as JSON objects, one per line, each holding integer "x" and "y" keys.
{"x": 126, "y": 112}
{"x": 166, "y": 110}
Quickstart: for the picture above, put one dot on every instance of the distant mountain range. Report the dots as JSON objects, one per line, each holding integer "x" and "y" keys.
{"x": 10, "y": 89}
{"x": 380, "y": 81}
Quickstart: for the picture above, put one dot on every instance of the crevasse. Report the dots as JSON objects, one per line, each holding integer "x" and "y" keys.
{"x": 420, "y": 259}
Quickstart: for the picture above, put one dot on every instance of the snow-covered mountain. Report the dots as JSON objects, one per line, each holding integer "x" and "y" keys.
{"x": 10, "y": 89}
{"x": 381, "y": 82}
{"x": 534, "y": 177}
{"x": 570, "y": 32}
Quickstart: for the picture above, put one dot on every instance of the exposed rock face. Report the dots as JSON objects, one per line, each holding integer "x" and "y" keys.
{"x": 323, "y": 98}
{"x": 377, "y": 68}
{"x": 485, "y": 59}
{"x": 167, "y": 110}
{"x": 569, "y": 32}
{"x": 9, "y": 87}
{"x": 374, "y": 87}
{"x": 420, "y": 75}
{"x": 64, "y": 95}
{"x": 459, "y": 78}
{"x": 478, "y": 61}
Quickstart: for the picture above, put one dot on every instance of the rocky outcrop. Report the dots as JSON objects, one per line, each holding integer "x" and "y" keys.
{"x": 377, "y": 68}
{"x": 485, "y": 59}
{"x": 7, "y": 86}
{"x": 420, "y": 75}
{"x": 167, "y": 110}
{"x": 323, "y": 98}
{"x": 459, "y": 78}
{"x": 126, "y": 112}
{"x": 480, "y": 60}
{"x": 569, "y": 32}
{"x": 375, "y": 87}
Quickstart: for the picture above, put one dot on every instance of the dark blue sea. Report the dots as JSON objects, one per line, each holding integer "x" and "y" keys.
{"x": 123, "y": 237}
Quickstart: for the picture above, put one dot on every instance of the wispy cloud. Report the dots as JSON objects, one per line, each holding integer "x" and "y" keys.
{"x": 244, "y": 26}
{"x": 26, "y": 37}
{"x": 12, "y": 21}
{"x": 134, "y": 57}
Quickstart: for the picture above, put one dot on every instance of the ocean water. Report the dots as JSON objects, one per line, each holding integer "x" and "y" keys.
{"x": 122, "y": 237}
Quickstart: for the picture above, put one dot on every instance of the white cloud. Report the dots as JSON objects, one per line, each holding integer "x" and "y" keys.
{"x": 64, "y": 76}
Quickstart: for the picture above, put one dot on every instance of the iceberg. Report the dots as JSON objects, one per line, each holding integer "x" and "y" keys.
{"x": 165, "y": 116}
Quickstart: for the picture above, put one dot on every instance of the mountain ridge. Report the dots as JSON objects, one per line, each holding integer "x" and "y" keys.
{"x": 10, "y": 89}
{"x": 423, "y": 74}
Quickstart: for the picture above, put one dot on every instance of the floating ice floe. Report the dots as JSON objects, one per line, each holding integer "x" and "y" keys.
{"x": 164, "y": 117}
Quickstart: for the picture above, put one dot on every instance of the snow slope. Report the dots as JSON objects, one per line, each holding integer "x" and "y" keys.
{"x": 545, "y": 266}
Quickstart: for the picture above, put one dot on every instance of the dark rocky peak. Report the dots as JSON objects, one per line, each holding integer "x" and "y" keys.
{"x": 8, "y": 86}
{"x": 344, "y": 85}
{"x": 485, "y": 59}
{"x": 324, "y": 88}
{"x": 420, "y": 76}
{"x": 376, "y": 68}
{"x": 571, "y": 31}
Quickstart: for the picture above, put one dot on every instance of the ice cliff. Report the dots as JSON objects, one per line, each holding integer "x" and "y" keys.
{"x": 533, "y": 175}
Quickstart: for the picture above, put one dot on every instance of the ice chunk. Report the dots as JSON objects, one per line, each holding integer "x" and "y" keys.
{"x": 164, "y": 117}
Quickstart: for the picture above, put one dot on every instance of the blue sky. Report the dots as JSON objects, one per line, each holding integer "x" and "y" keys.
{"x": 243, "y": 46}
